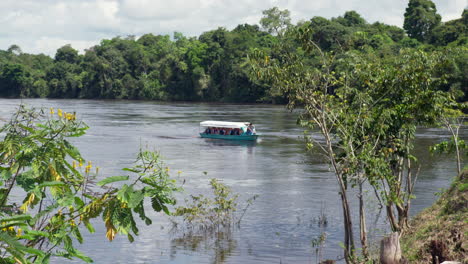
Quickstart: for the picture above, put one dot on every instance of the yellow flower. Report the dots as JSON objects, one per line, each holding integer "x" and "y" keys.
{"x": 52, "y": 111}
{"x": 88, "y": 168}
{"x": 179, "y": 172}
{"x": 59, "y": 112}
{"x": 70, "y": 116}
{"x": 74, "y": 164}
{"x": 80, "y": 164}
{"x": 19, "y": 232}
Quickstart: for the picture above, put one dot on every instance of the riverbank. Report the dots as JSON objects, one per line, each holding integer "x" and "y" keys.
{"x": 442, "y": 229}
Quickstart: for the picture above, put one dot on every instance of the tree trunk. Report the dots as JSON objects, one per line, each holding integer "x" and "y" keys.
{"x": 390, "y": 252}
{"x": 348, "y": 236}
{"x": 362, "y": 223}
{"x": 391, "y": 217}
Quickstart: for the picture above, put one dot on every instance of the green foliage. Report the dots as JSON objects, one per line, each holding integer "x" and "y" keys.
{"x": 207, "y": 214}
{"x": 38, "y": 161}
{"x": 275, "y": 21}
{"x": 212, "y": 67}
{"x": 366, "y": 109}
{"x": 449, "y": 146}
{"x": 420, "y": 19}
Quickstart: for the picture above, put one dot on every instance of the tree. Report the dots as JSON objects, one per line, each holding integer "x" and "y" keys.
{"x": 366, "y": 112}
{"x": 352, "y": 19}
{"x": 420, "y": 19}
{"x": 14, "y": 78}
{"x": 451, "y": 31}
{"x": 275, "y": 21}
{"x": 329, "y": 35}
{"x": 15, "y": 49}
{"x": 67, "y": 54}
{"x": 47, "y": 196}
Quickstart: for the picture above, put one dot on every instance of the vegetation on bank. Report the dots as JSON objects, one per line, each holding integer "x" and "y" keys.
{"x": 366, "y": 108}
{"x": 49, "y": 194}
{"x": 212, "y": 66}
{"x": 441, "y": 230}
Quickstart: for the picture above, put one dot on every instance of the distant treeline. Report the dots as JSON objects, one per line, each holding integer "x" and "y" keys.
{"x": 212, "y": 67}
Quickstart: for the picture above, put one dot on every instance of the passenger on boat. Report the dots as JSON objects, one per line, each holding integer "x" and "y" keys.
{"x": 207, "y": 131}
{"x": 250, "y": 129}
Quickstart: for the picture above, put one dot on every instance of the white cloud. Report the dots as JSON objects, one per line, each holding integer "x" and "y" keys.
{"x": 50, "y": 45}
{"x": 45, "y": 25}
{"x": 157, "y": 9}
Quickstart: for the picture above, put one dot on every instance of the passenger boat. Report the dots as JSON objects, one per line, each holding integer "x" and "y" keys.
{"x": 228, "y": 130}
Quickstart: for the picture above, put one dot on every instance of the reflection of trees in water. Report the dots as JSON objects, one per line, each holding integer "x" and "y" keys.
{"x": 220, "y": 242}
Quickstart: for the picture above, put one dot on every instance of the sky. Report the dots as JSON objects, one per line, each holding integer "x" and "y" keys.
{"x": 43, "y": 26}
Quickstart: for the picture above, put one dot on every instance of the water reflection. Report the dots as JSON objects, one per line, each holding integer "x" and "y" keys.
{"x": 219, "y": 244}
{"x": 228, "y": 143}
{"x": 291, "y": 182}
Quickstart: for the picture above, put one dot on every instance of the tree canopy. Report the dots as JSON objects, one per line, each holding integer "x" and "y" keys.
{"x": 212, "y": 66}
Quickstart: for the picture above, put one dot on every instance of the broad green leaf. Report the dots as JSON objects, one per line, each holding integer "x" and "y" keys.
{"x": 50, "y": 184}
{"x": 6, "y": 174}
{"x": 131, "y": 170}
{"x": 135, "y": 199}
{"x": 124, "y": 193}
{"x": 22, "y": 217}
{"x": 79, "y": 202}
{"x": 112, "y": 179}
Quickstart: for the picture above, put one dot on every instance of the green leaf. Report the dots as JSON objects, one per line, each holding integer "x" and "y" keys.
{"x": 45, "y": 259}
{"x": 6, "y": 174}
{"x": 124, "y": 193}
{"x": 72, "y": 150}
{"x": 159, "y": 205}
{"x": 135, "y": 199}
{"x": 17, "y": 218}
{"x": 131, "y": 170}
{"x": 50, "y": 184}
{"x": 82, "y": 256}
{"x": 79, "y": 202}
{"x": 89, "y": 226}
{"x": 112, "y": 179}
{"x": 26, "y": 180}
{"x": 16, "y": 248}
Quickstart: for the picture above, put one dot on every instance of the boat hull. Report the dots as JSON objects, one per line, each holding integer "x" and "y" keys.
{"x": 230, "y": 137}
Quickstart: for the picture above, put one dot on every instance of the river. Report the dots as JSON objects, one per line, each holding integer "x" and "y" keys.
{"x": 295, "y": 187}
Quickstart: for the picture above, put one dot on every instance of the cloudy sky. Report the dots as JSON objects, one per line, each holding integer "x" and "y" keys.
{"x": 42, "y": 26}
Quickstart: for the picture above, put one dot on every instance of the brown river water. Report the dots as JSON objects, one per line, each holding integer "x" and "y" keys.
{"x": 295, "y": 187}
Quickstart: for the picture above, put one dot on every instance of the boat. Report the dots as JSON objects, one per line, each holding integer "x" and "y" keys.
{"x": 228, "y": 130}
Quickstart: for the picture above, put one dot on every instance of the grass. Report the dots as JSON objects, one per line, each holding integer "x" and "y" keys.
{"x": 445, "y": 222}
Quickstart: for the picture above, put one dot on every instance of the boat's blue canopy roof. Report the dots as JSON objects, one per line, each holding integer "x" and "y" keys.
{"x": 224, "y": 124}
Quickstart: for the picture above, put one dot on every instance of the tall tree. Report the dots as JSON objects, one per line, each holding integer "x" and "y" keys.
{"x": 275, "y": 21}
{"x": 67, "y": 53}
{"x": 420, "y": 19}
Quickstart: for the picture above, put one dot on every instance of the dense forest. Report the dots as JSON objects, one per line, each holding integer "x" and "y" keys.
{"x": 212, "y": 67}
